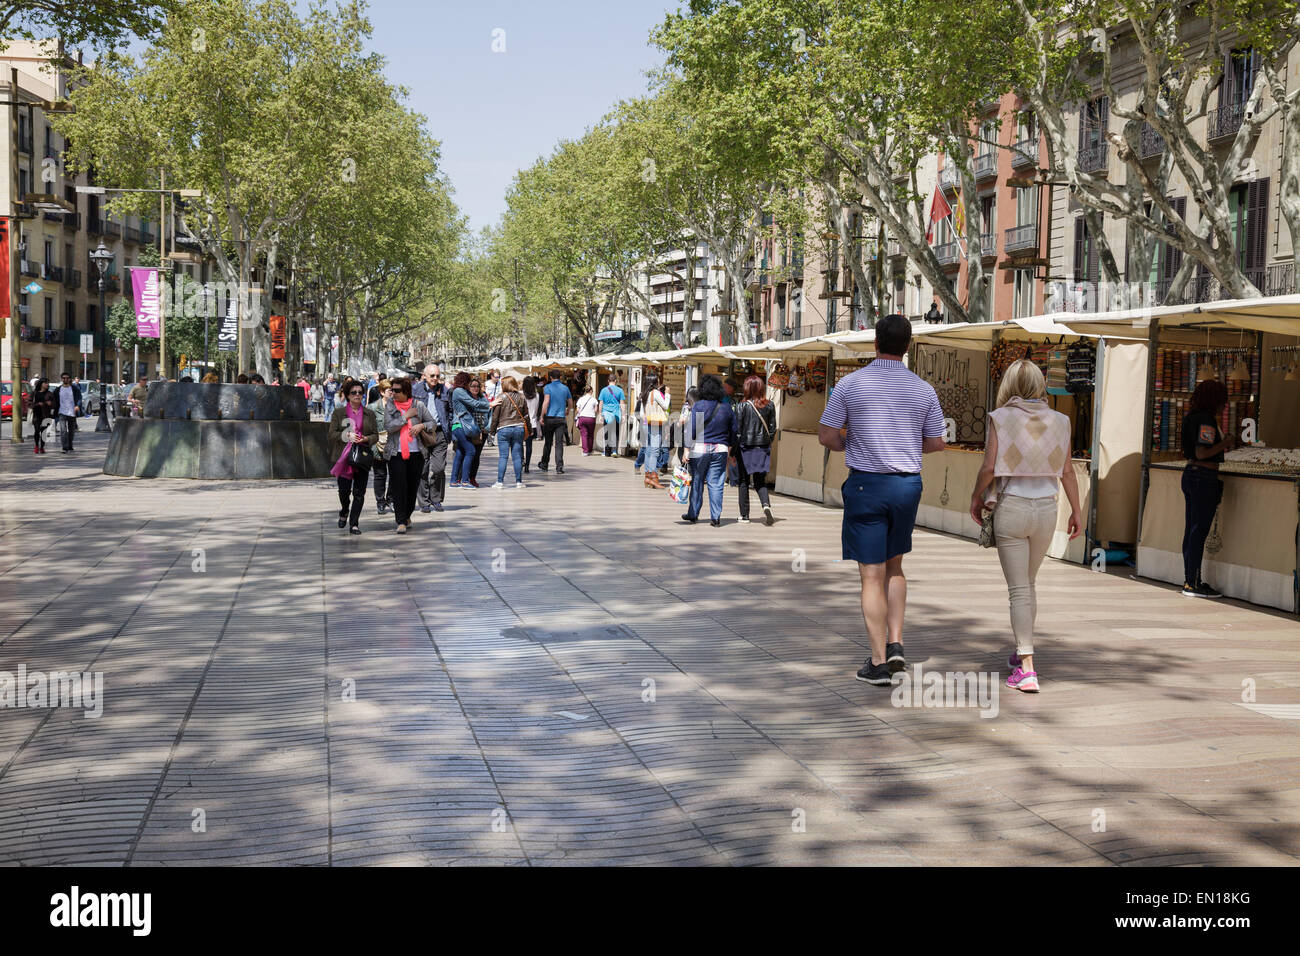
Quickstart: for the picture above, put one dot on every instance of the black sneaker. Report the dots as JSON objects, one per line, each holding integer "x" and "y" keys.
{"x": 559, "y": 470}
{"x": 688, "y": 519}
{"x": 543, "y": 467}
{"x": 894, "y": 657}
{"x": 1205, "y": 591}
{"x": 878, "y": 675}
{"x": 715, "y": 522}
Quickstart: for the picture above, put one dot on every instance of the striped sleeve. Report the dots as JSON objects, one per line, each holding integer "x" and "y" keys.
{"x": 836, "y": 414}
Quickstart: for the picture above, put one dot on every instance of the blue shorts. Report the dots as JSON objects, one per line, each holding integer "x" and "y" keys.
{"x": 879, "y": 514}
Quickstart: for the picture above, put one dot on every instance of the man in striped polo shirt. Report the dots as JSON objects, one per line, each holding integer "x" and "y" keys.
{"x": 883, "y": 418}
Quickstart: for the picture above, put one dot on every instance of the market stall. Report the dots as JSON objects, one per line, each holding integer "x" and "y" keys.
{"x": 1093, "y": 380}
{"x": 797, "y": 374}
{"x": 1253, "y": 347}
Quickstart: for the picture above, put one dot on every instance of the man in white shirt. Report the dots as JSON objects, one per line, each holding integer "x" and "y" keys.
{"x": 67, "y": 398}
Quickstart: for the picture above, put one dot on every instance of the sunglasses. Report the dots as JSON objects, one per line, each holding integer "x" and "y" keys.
{"x": 356, "y": 391}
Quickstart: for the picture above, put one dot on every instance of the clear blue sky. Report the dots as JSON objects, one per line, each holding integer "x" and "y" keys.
{"x": 567, "y": 62}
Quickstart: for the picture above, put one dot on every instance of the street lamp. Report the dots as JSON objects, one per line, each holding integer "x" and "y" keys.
{"x": 101, "y": 257}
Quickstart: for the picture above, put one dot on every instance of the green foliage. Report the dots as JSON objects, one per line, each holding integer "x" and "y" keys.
{"x": 97, "y": 22}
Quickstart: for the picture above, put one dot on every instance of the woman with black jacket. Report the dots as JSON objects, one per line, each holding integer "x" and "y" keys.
{"x": 755, "y": 427}
{"x": 42, "y": 408}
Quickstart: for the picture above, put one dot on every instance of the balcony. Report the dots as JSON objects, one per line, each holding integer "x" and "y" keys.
{"x": 988, "y": 245}
{"x": 53, "y": 216}
{"x": 1281, "y": 279}
{"x": 95, "y": 226}
{"x": 948, "y": 254}
{"x": 72, "y": 278}
{"x": 1094, "y": 158}
{"x": 1024, "y": 154}
{"x": 72, "y": 220}
{"x": 29, "y": 333}
{"x": 112, "y": 229}
{"x": 949, "y": 177}
{"x": 53, "y": 273}
{"x": 111, "y": 283}
{"x": 986, "y": 166}
{"x": 25, "y": 141}
{"x": 148, "y": 237}
{"x": 132, "y": 234}
{"x": 1224, "y": 122}
{"x": 52, "y": 336}
{"x": 1150, "y": 143}
{"x": 30, "y": 267}
{"x": 1022, "y": 239}
{"x": 895, "y": 249}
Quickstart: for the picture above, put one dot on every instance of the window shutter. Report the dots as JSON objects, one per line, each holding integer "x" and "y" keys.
{"x": 1080, "y": 250}
{"x": 1094, "y": 259}
{"x": 1172, "y": 258}
{"x": 1103, "y": 116}
{"x": 1255, "y": 251}
{"x": 1083, "y": 127}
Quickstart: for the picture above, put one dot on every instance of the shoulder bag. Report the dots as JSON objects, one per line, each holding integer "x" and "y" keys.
{"x": 988, "y": 535}
{"x": 523, "y": 413}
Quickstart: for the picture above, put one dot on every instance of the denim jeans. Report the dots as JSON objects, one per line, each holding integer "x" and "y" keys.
{"x": 713, "y": 469}
{"x": 510, "y": 442}
{"x": 1202, "y": 491}
{"x": 465, "y": 451}
{"x": 654, "y": 446}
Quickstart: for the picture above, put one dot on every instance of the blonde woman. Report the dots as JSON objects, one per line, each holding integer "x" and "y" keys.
{"x": 1027, "y": 458}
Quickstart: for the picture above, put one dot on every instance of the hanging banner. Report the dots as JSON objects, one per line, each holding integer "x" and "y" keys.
{"x": 309, "y": 346}
{"x": 277, "y": 336}
{"x": 144, "y": 289}
{"x": 4, "y": 268}
{"x": 228, "y": 337}
{"x": 334, "y": 350}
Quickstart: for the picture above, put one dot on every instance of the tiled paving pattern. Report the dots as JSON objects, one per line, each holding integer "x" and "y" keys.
{"x": 466, "y": 641}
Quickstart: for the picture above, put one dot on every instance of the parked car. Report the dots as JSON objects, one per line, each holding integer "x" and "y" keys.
{"x": 7, "y": 400}
{"x": 90, "y": 396}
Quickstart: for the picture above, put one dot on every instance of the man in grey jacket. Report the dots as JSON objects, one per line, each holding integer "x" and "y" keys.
{"x": 436, "y": 396}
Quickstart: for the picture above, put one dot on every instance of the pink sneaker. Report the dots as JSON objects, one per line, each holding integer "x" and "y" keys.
{"x": 1022, "y": 681}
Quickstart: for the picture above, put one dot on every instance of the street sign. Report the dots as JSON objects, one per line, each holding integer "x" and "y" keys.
{"x": 87, "y": 344}
{"x": 31, "y": 288}
{"x": 612, "y": 334}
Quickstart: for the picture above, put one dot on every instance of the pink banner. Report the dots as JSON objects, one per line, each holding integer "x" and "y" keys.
{"x": 144, "y": 289}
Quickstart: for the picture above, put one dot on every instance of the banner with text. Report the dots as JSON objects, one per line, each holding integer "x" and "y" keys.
{"x": 145, "y": 291}
{"x": 309, "y": 346}
{"x": 228, "y": 337}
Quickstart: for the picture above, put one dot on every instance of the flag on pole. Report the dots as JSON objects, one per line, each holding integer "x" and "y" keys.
{"x": 959, "y": 222}
{"x": 148, "y": 307}
{"x": 939, "y": 209}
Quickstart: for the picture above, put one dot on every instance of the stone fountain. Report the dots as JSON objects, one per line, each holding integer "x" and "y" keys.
{"x": 192, "y": 430}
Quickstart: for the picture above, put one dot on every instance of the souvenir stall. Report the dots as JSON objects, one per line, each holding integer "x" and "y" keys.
{"x": 799, "y": 376}
{"x": 1253, "y": 347}
{"x": 1092, "y": 380}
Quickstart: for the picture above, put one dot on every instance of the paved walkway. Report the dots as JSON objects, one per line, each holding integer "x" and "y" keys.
{"x": 567, "y": 675}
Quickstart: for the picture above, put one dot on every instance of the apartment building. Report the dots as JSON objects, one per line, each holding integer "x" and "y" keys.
{"x": 691, "y": 316}
{"x": 1010, "y": 221}
{"x": 1261, "y": 237}
{"x": 54, "y": 291}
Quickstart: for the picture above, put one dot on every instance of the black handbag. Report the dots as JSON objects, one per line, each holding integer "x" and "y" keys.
{"x": 360, "y": 455}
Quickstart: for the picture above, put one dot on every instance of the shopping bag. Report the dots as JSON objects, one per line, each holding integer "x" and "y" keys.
{"x": 679, "y": 489}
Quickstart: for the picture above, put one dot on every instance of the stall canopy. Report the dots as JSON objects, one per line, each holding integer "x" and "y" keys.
{"x": 981, "y": 333}
{"x": 818, "y": 344}
{"x": 1279, "y": 314}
